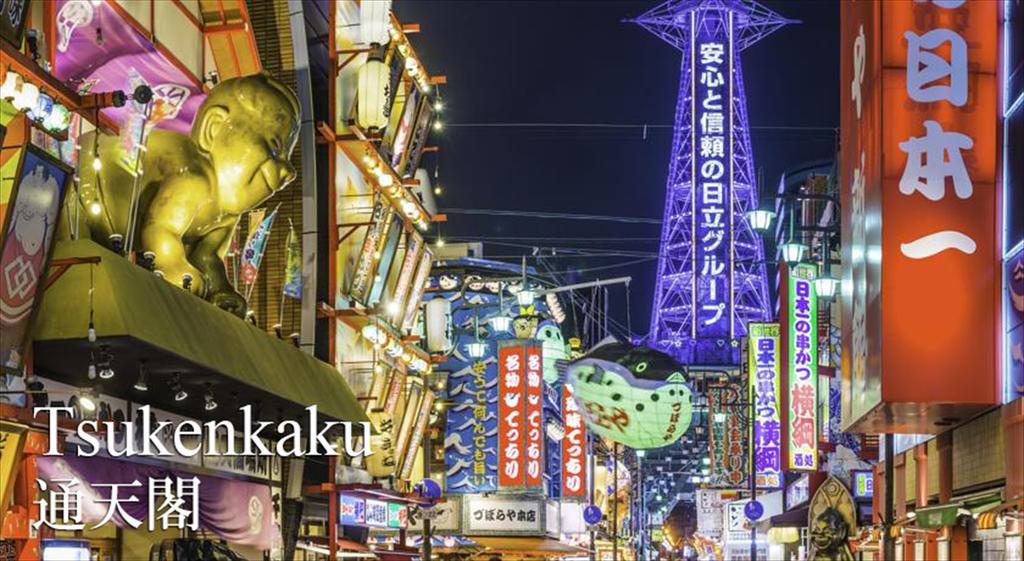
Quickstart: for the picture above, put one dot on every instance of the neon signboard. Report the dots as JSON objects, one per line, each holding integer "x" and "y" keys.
{"x": 763, "y": 355}
{"x": 511, "y": 424}
{"x": 574, "y": 450}
{"x": 712, "y": 198}
{"x": 800, "y": 345}
{"x": 376, "y": 513}
{"x": 534, "y": 414}
{"x": 863, "y": 484}
{"x": 351, "y": 511}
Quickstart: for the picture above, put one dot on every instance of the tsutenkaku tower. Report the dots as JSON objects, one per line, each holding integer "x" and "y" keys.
{"x": 711, "y": 275}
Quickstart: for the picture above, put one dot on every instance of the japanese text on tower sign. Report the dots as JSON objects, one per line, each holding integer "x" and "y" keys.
{"x": 712, "y": 191}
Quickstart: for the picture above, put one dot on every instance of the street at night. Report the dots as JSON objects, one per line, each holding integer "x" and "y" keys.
{"x": 496, "y": 280}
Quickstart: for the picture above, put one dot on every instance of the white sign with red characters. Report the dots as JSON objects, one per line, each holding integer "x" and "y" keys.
{"x": 574, "y": 447}
{"x": 511, "y": 424}
{"x": 534, "y": 414}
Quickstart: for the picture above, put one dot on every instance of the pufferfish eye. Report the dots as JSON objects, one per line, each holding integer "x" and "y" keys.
{"x": 641, "y": 367}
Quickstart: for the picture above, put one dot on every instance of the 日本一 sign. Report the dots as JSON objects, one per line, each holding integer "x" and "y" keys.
{"x": 800, "y": 352}
{"x": 763, "y": 355}
{"x": 919, "y": 151}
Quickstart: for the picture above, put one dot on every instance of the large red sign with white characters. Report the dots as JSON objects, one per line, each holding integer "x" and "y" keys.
{"x": 574, "y": 447}
{"x": 511, "y": 421}
{"x": 534, "y": 416}
{"x": 921, "y": 229}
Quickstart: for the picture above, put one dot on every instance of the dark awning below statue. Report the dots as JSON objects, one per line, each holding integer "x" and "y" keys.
{"x": 144, "y": 318}
{"x": 796, "y": 518}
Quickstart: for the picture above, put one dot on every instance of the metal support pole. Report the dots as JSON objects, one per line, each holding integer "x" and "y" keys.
{"x": 752, "y": 466}
{"x": 427, "y": 536}
{"x": 593, "y": 532}
{"x": 888, "y": 543}
{"x": 615, "y": 502}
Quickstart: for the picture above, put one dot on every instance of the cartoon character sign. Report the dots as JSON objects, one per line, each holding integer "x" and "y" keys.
{"x": 633, "y": 395}
{"x": 550, "y": 336}
{"x": 32, "y": 220}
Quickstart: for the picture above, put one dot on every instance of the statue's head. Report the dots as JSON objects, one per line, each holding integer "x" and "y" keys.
{"x": 829, "y": 530}
{"x": 248, "y": 126}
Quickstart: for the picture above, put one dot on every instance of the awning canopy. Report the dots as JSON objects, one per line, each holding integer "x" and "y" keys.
{"x": 938, "y": 516}
{"x": 518, "y": 545}
{"x": 141, "y": 317}
{"x": 796, "y": 518}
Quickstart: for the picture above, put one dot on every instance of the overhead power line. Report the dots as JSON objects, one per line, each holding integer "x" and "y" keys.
{"x": 639, "y": 126}
{"x": 557, "y": 215}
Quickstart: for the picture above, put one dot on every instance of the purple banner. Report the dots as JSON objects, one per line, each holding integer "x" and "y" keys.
{"x": 240, "y": 512}
{"x": 711, "y": 144}
{"x": 98, "y": 51}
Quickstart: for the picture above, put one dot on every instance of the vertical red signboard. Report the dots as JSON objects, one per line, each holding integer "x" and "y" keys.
{"x": 574, "y": 447}
{"x": 920, "y": 151}
{"x": 511, "y": 421}
{"x": 534, "y": 414}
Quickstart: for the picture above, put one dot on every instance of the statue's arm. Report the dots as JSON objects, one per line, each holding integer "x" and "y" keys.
{"x": 165, "y": 224}
{"x": 208, "y": 255}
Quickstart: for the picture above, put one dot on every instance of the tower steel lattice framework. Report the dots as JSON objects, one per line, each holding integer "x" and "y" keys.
{"x": 681, "y": 292}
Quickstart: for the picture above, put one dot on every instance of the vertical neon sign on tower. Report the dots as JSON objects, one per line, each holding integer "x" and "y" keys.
{"x": 711, "y": 279}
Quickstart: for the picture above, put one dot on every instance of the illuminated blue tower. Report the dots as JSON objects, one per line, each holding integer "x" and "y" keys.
{"x": 711, "y": 275}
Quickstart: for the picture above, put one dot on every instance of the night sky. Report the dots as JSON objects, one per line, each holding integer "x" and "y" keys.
{"x": 575, "y": 62}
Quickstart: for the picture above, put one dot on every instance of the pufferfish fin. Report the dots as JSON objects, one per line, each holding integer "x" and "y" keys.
{"x": 606, "y": 341}
{"x": 676, "y": 377}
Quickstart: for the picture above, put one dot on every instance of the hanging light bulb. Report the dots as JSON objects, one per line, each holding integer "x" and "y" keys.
{"x": 476, "y": 349}
{"x": 793, "y": 252}
{"x": 11, "y": 86}
{"x": 525, "y": 297}
{"x": 209, "y": 404}
{"x": 760, "y": 220}
{"x": 500, "y": 323}
{"x": 97, "y": 165}
{"x": 26, "y": 97}
{"x": 42, "y": 109}
{"x": 59, "y": 119}
{"x": 826, "y": 287}
{"x": 87, "y": 400}
{"x": 438, "y": 125}
{"x": 179, "y": 392}
{"x": 142, "y": 384}
{"x": 372, "y": 91}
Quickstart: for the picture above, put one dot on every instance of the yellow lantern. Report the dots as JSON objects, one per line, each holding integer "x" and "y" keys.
{"x": 372, "y": 93}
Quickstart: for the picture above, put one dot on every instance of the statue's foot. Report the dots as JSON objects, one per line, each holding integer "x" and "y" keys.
{"x": 230, "y": 301}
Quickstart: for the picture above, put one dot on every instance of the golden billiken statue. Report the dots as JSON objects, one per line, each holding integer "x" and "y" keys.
{"x": 194, "y": 188}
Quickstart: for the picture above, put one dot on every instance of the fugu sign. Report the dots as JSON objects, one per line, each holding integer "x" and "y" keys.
{"x": 633, "y": 395}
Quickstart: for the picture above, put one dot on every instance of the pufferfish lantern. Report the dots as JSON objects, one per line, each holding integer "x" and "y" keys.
{"x": 632, "y": 395}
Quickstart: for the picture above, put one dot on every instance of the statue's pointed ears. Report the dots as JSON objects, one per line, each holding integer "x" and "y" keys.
{"x": 213, "y": 119}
